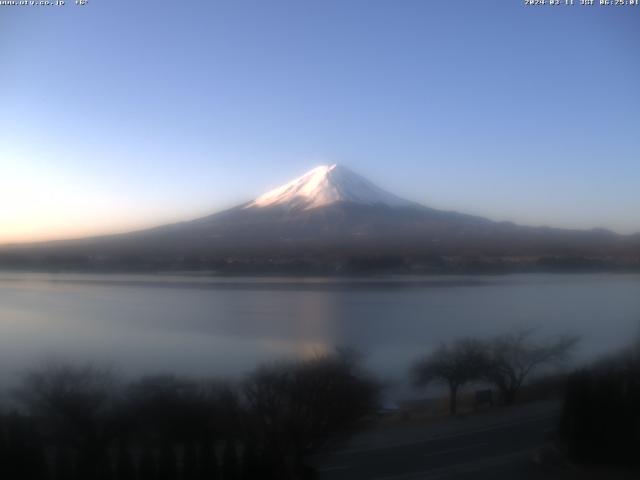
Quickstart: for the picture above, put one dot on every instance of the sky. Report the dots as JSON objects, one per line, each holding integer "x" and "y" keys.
{"x": 119, "y": 115}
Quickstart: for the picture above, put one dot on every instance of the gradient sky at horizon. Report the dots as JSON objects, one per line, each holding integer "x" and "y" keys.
{"x": 121, "y": 115}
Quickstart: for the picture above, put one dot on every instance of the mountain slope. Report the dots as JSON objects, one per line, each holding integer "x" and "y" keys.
{"x": 331, "y": 214}
{"x": 325, "y": 185}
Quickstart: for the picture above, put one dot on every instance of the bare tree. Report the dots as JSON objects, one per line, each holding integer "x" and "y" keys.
{"x": 510, "y": 358}
{"x": 294, "y": 408}
{"x": 453, "y": 365}
{"x": 72, "y": 397}
{"x": 73, "y": 405}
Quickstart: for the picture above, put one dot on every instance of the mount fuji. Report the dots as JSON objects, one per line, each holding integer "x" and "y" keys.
{"x": 325, "y": 185}
{"x": 330, "y": 219}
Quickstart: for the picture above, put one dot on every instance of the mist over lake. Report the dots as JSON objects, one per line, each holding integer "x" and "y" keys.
{"x": 205, "y": 326}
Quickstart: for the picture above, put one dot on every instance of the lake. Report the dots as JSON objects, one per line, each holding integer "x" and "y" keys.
{"x": 208, "y": 326}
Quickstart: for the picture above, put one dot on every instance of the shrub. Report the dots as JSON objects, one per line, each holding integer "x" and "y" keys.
{"x": 601, "y": 415}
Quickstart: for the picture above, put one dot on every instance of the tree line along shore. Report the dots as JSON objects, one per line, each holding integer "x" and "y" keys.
{"x": 67, "y": 421}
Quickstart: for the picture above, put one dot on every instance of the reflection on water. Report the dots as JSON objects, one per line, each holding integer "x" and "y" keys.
{"x": 225, "y": 326}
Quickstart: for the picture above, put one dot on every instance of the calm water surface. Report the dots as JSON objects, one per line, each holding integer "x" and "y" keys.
{"x": 211, "y": 326}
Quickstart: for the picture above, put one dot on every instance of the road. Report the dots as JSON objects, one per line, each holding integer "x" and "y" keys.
{"x": 492, "y": 446}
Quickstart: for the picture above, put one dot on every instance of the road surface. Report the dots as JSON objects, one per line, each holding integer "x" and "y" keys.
{"x": 493, "y": 446}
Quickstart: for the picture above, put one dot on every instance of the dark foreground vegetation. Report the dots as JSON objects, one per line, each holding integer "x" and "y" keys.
{"x": 69, "y": 422}
{"x": 601, "y": 416}
{"x": 600, "y": 420}
{"x": 75, "y": 422}
{"x": 504, "y": 362}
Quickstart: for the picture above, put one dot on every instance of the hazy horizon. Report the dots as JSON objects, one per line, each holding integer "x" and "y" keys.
{"x": 128, "y": 116}
{"x": 195, "y": 216}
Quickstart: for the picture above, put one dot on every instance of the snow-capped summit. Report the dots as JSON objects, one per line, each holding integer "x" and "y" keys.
{"x": 332, "y": 220}
{"x": 325, "y": 185}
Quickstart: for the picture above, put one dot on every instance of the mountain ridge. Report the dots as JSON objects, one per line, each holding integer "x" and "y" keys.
{"x": 330, "y": 216}
{"x": 324, "y": 185}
